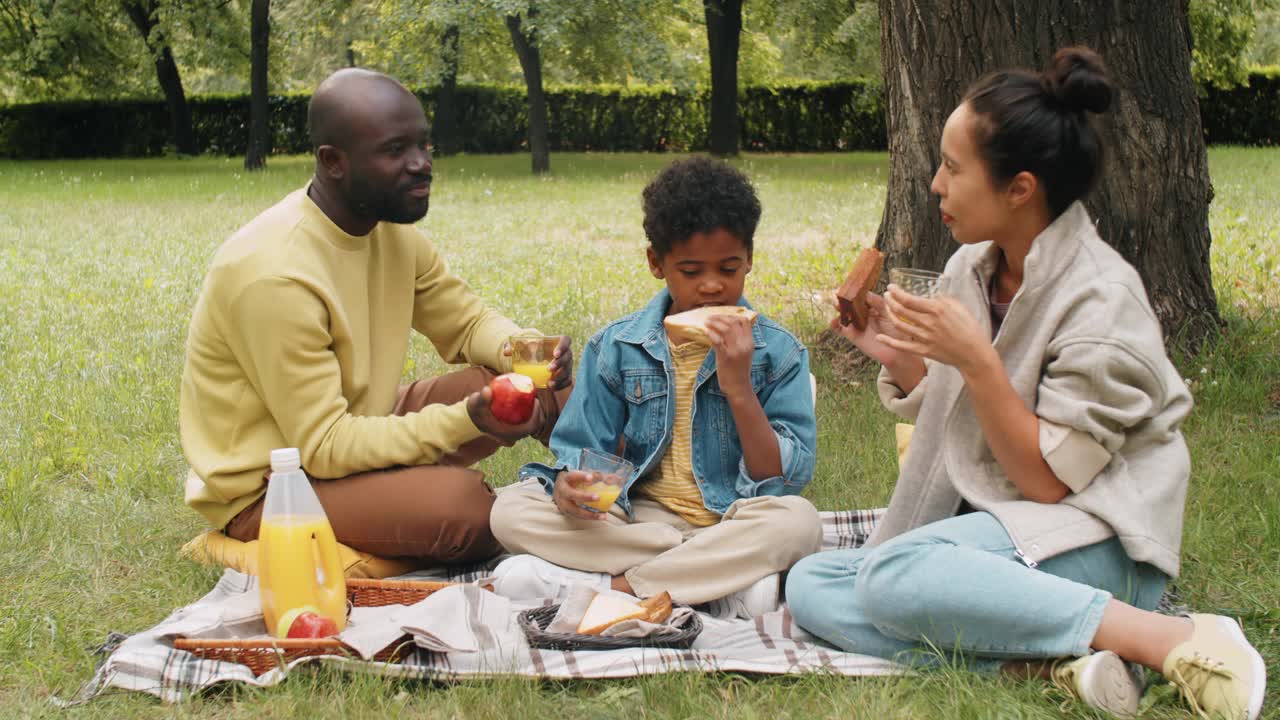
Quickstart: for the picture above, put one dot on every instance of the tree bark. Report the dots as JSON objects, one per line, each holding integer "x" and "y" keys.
{"x": 142, "y": 14}
{"x": 445, "y": 129}
{"x": 526, "y": 45}
{"x": 724, "y": 28}
{"x": 259, "y": 110}
{"x": 1152, "y": 200}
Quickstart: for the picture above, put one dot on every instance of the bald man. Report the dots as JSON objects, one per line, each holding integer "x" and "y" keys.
{"x": 300, "y": 334}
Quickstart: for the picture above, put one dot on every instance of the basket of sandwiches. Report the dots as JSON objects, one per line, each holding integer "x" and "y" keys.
{"x": 610, "y": 622}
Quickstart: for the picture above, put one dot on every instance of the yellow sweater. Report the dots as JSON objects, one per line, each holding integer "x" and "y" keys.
{"x": 673, "y": 484}
{"x": 299, "y": 338}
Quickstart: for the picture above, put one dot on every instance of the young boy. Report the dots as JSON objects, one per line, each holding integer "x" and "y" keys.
{"x": 723, "y": 437}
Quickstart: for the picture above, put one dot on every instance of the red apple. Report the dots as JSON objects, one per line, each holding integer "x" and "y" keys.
{"x": 513, "y": 396}
{"x": 312, "y": 625}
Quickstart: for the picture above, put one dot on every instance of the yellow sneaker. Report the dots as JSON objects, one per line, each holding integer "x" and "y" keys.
{"x": 1217, "y": 671}
{"x": 1102, "y": 681}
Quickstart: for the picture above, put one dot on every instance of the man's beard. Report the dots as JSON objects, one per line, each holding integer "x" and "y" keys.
{"x": 393, "y": 207}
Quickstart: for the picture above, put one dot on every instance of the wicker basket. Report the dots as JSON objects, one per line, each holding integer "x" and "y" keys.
{"x": 534, "y": 623}
{"x": 268, "y": 653}
{"x": 264, "y": 655}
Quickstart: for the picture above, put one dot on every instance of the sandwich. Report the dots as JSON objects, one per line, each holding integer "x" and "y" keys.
{"x": 862, "y": 279}
{"x": 691, "y": 325}
{"x": 605, "y": 611}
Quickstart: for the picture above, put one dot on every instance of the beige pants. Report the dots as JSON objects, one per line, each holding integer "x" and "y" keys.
{"x": 658, "y": 550}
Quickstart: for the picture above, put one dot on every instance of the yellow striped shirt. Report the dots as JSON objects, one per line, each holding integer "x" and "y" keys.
{"x": 673, "y": 485}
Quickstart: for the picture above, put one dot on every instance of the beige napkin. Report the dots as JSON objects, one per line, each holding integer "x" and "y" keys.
{"x": 448, "y": 620}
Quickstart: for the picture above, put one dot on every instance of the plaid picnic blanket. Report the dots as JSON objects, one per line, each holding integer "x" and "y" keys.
{"x": 769, "y": 644}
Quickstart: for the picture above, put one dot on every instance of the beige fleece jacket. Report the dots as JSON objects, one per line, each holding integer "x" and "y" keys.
{"x": 1083, "y": 348}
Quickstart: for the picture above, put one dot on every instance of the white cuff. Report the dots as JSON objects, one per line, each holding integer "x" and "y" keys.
{"x": 1074, "y": 456}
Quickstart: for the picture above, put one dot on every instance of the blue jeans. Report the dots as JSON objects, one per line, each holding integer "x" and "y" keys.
{"x": 955, "y": 589}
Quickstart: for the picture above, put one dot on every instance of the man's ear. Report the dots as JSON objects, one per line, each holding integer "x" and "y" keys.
{"x": 1022, "y": 188}
{"x": 331, "y": 161}
{"x": 655, "y": 264}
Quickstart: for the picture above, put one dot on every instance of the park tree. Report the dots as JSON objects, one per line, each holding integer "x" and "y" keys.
{"x": 78, "y": 48}
{"x": 724, "y": 31}
{"x": 1152, "y": 200}
{"x": 145, "y": 16}
{"x": 259, "y": 109}
{"x": 523, "y": 26}
{"x": 822, "y": 39}
{"x": 1221, "y": 34}
{"x": 444, "y": 130}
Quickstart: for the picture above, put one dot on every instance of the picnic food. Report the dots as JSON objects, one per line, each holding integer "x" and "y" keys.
{"x": 691, "y": 325}
{"x": 298, "y": 564}
{"x": 658, "y": 606}
{"x": 305, "y": 622}
{"x": 852, "y": 295}
{"x": 288, "y": 573}
{"x": 606, "y": 611}
{"x": 513, "y": 396}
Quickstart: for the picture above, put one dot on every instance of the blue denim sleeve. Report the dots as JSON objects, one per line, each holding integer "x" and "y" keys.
{"x": 593, "y": 418}
{"x": 787, "y": 399}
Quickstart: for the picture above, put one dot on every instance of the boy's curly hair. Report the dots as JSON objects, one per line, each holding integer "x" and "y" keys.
{"x": 699, "y": 195}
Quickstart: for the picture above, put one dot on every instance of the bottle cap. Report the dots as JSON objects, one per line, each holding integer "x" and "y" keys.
{"x": 285, "y": 459}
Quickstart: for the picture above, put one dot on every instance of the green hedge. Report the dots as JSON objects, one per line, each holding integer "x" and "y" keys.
{"x": 1247, "y": 115}
{"x": 802, "y": 117}
{"x": 799, "y": 117}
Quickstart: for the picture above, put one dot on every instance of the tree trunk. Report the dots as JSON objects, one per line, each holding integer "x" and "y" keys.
{"x": 724, "y": 28}
{"x": 445, "y": 129}
{"x": 142, "y": 14}
{"x": 259, "y": 111}
{"x": 1152, "y": 200}
{"x": 531, "y": 64}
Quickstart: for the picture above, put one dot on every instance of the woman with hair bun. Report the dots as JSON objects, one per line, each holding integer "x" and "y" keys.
{"x": 1038, "y": 512}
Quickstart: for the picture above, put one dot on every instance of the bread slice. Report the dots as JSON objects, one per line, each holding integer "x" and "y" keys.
{"x": 862, "y": 279}
{"x": 605, "y": 611}
{"x": 658, "y": 607}
{"x": 691, "y": 325}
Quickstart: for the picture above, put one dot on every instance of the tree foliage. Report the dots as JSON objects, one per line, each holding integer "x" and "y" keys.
{"x": 1221, "y": 33}
{"x": 64, "y": 49}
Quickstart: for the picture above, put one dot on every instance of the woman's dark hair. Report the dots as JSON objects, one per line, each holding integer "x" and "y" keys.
{"x": 1036, "y": 122}
{"x": 699, "y": 195}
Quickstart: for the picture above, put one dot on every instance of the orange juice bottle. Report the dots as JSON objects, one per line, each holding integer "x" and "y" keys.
{"x": 297, "y": 553}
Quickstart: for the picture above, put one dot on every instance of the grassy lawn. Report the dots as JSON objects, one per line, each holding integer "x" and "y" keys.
{"x": 100, "y": 263}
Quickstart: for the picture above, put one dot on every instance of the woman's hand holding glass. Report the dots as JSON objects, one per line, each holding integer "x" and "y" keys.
{"x": 938, "y": 328}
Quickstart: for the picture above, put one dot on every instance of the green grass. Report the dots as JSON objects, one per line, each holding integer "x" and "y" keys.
{"x": 101, "y": 261}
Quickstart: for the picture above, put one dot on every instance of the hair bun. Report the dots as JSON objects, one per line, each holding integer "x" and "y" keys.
{"x": 1078, "y": 79}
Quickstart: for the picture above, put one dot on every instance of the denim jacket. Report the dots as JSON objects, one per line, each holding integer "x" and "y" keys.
{"x": 622, "y": 397}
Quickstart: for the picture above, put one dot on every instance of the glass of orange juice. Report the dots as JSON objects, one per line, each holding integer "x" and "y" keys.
{"x": 609, "y": 473}
{"x": 531, "y": 355}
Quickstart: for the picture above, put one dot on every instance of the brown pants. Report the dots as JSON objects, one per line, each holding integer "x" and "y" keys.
{"x": 435, "y": 513}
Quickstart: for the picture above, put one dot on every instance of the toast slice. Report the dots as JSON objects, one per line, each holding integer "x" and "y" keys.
{"x": 604, "y": 611}
{"x": 862, "y": 279}
{"x": 691, "y": 325}
{"x": 658, "y": 607}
